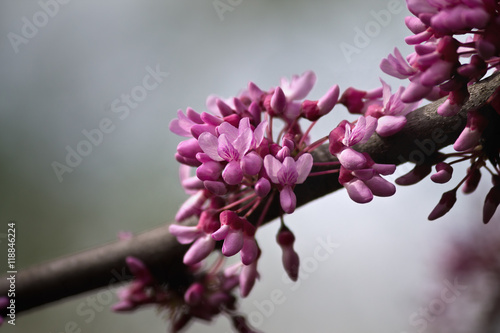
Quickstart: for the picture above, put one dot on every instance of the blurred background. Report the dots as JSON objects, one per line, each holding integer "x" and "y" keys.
{"x": 67, "y": 69}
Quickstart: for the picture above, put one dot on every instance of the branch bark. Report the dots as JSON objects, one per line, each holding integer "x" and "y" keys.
{"x": 424, "y": 134}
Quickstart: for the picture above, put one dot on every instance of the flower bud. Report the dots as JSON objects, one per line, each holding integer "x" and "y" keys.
{"x": 445, "y": 204}
{"x": 194, "y": 294}
{"x": 290, "y": 258}
{"x": 418, "y": 173}
{"x": 491, "y": 203}
{"x": 443, "y": 174}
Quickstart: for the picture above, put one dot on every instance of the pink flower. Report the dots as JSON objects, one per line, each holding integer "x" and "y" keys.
{"x": 135, "y": 294}
{"x": 231, "y": 146}
{"x": 287, "y": 174}
{"x": 397, "y": 66}
{"x": 299, "y": 86}
{"x": 192, "y": 206}
{"x": 199, "y": 235}
{"x": 313, "y": 110}
{"x": 346, "y": 135}
{"x": 238, "y": 235}
{"x": 193, "y": 124}
{"x": 363, "y": 184}
{"x": 391, "y": 113}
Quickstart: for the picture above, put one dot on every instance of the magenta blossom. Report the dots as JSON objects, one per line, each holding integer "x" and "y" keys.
{"x": 346, "y": 135}
{"x": 199, "y": 235}
{"x": 391, "y": 111}
{"x": 363, "y": 184}
{"x": 287, "y": 174}
{"x": 238, "y": 235}
{"x": 231, "y": 146}
{"x": 136, "y": 293}
{"x": 299, "y": 86}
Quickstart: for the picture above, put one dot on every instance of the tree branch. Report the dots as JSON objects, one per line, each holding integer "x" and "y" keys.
{"x": 424, "y": 134}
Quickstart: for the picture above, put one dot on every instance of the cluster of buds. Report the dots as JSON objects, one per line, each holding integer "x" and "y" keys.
{"x": 234, "y": 162}
{"x": 435, "y": 68}
{"x": 210, "y": 294}
{"x": 241, "y": 167}
{"x": 443, "y": 66}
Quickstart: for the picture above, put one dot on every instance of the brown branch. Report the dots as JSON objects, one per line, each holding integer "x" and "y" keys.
{"x": 425, "y": 133}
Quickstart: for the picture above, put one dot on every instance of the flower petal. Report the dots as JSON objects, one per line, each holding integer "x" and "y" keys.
{"x": 288, "y": 200}
{"x": 389, "y": 125}
{"x": 303, "y": 166}
{"x": 272, "y": 166}
{"x": 210, "y": 144}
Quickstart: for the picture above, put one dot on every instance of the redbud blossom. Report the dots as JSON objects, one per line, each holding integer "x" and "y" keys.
{"x": 290, "y": 258}
{"x": 447, "y": 201}
{"x": 443, "y": 174}
{"x": 287, "y": 174}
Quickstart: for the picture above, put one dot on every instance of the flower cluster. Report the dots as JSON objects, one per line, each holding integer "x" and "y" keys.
{"x": 241, "y": 166}
{"x": 435, "y": 68}
{"x": 236, "y": 159}
{"x": 210, "y": 294}
{"x": 479, "y": 143}
{"x": 444, "y": 66}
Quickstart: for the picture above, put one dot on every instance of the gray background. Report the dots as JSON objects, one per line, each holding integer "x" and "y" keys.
{"x": 63, "y": 81}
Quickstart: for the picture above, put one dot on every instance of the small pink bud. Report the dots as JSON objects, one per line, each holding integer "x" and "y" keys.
{"x": 262, "y": 187}
{"x": 251, "y": 163}
{"x": 278, "y": 101}
{"x": 209, "y": 171}
{"x": 254, "y": 91}
{"x": 122, "y": 235}
{"x": 380, "y": 187}
{"x": 238, "y": 104}
{"x": 209, "y": 221}
{"x": 472, "y": 132}
{"x": 249, "y": 251}
{"x": 358, "y": 191}
{"x": 194, "y": 294}
{"x": 445, "y": 204}
{"x": 315, "y": 110}
{"x": 189, "y": 148}
{"x": 199, "y": 250}
{"x": 353, "y": 99}
{"x": 248, "y": 276}
{"x": 443, "y": 174}
{"x": 215, "y": 187}
{"x": 124, "y": 306}
{"x": 225, "y": 110}
{"x": 290, "y": 258}
{"x": 139, "y": 269}
{"x": 473, "y": 178}
{"x": 491, "y": 203}
{"x": 418, "y": 173}
{"x": 233, "y": 242}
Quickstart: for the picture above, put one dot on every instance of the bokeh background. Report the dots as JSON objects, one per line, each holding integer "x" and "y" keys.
{"x": 64, "y": 78}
